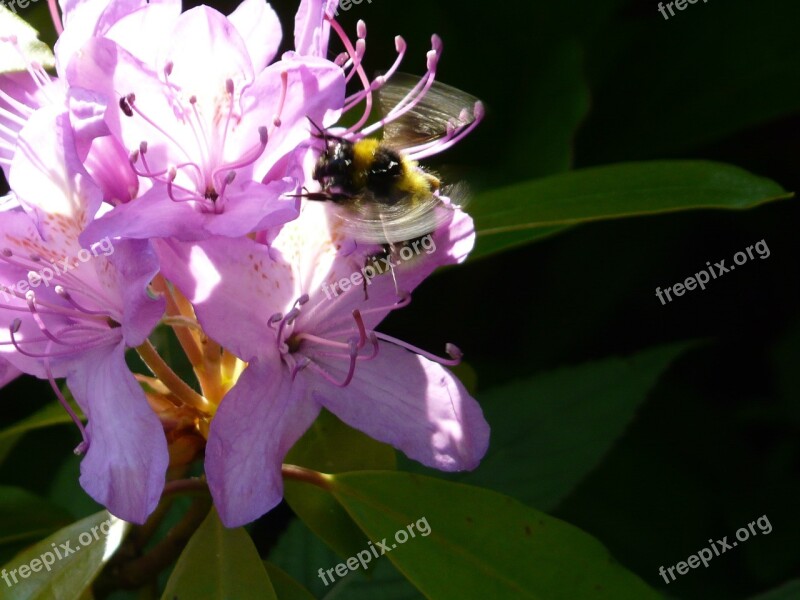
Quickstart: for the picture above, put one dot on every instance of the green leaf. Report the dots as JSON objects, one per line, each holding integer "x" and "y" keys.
{"x": 528, "y": 211}
{"x": 25, "y": 516}
{"x": 219, "y": 563}
{"x": 385, "y": 582}
{"x": 720, "y": 75}
{"x": 302, "y": 555}
{"x": 541, "y": 142}
{"x": 474, "y": 543}
{"x": 49, "y": 416}
{"x": 550, "y": 430}
{"x": 31, "y": 48}
{"x": 286, "y": 587}
{"x": 789, "y": 591}
{"x": 331, "y": 446}
{"x": 84, "y": 549}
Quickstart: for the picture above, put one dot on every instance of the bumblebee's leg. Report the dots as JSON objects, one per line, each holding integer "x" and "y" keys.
{"x": 393, "y": 253}
{"x": 364, "y": 271}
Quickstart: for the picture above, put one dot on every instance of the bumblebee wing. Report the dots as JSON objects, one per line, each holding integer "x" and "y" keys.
{"x": 441, "y": 106}
{"x": 369, "y": 222}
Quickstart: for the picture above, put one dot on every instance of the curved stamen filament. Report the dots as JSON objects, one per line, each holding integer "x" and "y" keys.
{"x": 357, "y": 66}
{"x": 352, "y": 101}
{"x": 84, "y": 445}
{"x": 452, "y": 350}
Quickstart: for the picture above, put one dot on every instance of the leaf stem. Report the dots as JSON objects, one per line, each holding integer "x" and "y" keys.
{"x": 321, "y": 480}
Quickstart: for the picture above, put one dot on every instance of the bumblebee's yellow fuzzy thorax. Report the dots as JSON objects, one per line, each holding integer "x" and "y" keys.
{"x": 363, "y": 156}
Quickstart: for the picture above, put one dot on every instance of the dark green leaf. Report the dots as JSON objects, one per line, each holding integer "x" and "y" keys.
{"x": 474, "y": 543}
{"x": 331, "y": 446}
{"x": 541, "y": 142}
{"x": 49, "y": 416}
{"x": 550, "y": 430}
{"x": 219, "y": 564}
{"x": 302, "y": 555}
{"x": 702, "y": 74}
{"x": 24, "y": 516}
{"x": 537, "y": 208}
{"x": 286, "y": 588}
{"x": 789, "y": 591}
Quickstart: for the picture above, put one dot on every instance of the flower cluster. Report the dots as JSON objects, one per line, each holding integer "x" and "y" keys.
{"x": 183, "y": 139}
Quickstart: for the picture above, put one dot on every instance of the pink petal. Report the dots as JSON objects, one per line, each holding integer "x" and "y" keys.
{"x": 260, "y": 29}
{"x": 126, "y": 464}
{"x": 154, "y": 215}
{"x": 311, "y": 31}
{"x": 48, "y": 177}
{"x": 409, "y": 402}
{"x": 226, "y": 279}
{"x": 315, "y": 89}
{"x": 257, "y": 423}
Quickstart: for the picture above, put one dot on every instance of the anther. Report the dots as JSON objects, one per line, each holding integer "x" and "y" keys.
{"x": 125, "y": 107}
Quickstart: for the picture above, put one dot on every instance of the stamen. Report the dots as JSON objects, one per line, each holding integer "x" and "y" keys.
{"x": 276, "y": 318}
{"x": 84, "y": 445}
{"x": 61, "y": 291}
{"x": 30, "y": 299}
{"x": 351, "y": 370}
{"x": 357, "y": 67}
{"x": 302, "y": 364}
{"x": 276, "y": 121}
{"x": 453, "y": 352}
{"x": 52, "y": 5}
{"x": 250, "y": 156}
{"x": 427, "y": 150}
{"x": 416, "y": 94}
{"x": 130, "y": 102}
{"x": 352, "y": 101}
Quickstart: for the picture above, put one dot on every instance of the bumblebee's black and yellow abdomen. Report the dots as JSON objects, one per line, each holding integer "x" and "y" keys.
{"x": 384, "y": 197}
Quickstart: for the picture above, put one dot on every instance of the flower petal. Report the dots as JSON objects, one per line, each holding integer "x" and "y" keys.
{"x": 311, "y": 31}
{"x": 126, "y": 464}
{"x": 407, "y": 401}
{"x": 257, "y": 423}
{"x": 260, "y": 28}
{"x": 8, "y": 372}
{"x": 249, "y": 207}
{"x": 136, "y": 265}
{"x": 226, "y": 279}
{"x": 48, "y": 177}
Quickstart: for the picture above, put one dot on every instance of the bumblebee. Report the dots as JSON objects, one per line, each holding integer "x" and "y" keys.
{"x": 383, "y": 196}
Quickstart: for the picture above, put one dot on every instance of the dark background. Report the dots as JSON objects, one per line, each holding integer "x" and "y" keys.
{"x": 717, "y": 444}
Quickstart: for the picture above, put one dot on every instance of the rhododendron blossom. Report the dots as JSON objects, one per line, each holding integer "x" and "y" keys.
{"x": 187, "y": 141}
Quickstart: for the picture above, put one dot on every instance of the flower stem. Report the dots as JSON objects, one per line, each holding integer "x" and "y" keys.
{"x": 186, "y": 337}
{"x": 139, "y": 572}
{"x": 168, "y": 377}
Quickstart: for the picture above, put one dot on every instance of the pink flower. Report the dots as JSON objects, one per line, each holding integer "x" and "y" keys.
{"x": 69, "y": 312}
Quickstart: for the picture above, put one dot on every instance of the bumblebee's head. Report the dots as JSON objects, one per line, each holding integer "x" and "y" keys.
{"x": 335, "y": 166}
